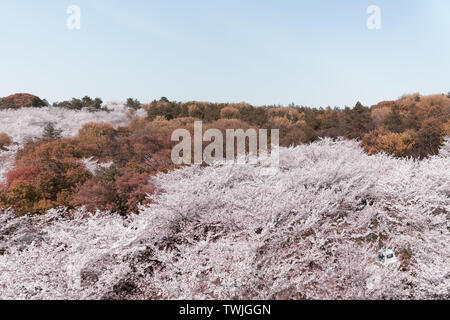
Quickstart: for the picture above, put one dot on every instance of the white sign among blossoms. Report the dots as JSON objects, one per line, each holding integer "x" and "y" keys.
{"x": 214, "y": 152}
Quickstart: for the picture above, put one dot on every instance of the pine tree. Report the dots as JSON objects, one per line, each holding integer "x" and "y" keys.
{"x": 394, "y": 120}
{"x": 51, "y": 133}
{"x": 357, "y": 121}
{"x": 133, "y": 103}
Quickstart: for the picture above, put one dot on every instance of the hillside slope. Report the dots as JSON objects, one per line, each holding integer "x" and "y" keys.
{"x": 28, "y": 123}
{"x": 21, "y": 100}
{"x": 308, "y": 230}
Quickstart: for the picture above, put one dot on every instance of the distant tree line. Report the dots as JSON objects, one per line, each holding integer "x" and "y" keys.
{"x": 412, "y": 126}
{"x": 84, "y": 103}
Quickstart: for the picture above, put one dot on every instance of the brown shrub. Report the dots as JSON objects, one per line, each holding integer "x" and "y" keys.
{"x": 293, "y": 137}
{"x": 446, "y": 128}
{"x": 121, "y": 195}
{"x": 230, "y": 113}
{"x": 430, "y": 138}
{"x": 380, "y": 114}
{"x": 5, "y": 140}
{"x": 20, "y": 100}
{"x": 280, "y": 122}
{"x": 396, "y": 144}
{"x": 100, "y": 138}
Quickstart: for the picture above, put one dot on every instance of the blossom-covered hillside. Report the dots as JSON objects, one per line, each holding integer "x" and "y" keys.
{"x": 53, "y": 169}
{"x": 310, "y": 229}
{"x": 28, "y": 123}
{"x": 25, "y": 123}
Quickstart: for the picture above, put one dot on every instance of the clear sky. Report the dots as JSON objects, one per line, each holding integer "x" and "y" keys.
{"x": 315, "y": 53}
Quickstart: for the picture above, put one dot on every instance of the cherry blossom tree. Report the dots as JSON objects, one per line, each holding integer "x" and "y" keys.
{"x": 310, "y": 229}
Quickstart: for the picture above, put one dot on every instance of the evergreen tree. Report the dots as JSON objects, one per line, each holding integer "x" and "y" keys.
{"x": 133, "y": 103}
{"x": 51, "y": 133}
{"x": 357, "y": 121}
{"x": 393, "y": 121}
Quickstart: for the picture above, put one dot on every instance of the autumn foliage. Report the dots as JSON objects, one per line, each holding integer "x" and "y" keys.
{"x": 50, "y": 172}
{"x": 21, "y": 100}
{"x": 413, "y": 126}
{"x": 122, "y": 195}
{"x": 5, "y": 140}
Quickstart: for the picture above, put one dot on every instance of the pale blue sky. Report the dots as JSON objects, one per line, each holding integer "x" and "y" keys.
{"x": 315, "y": 53}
